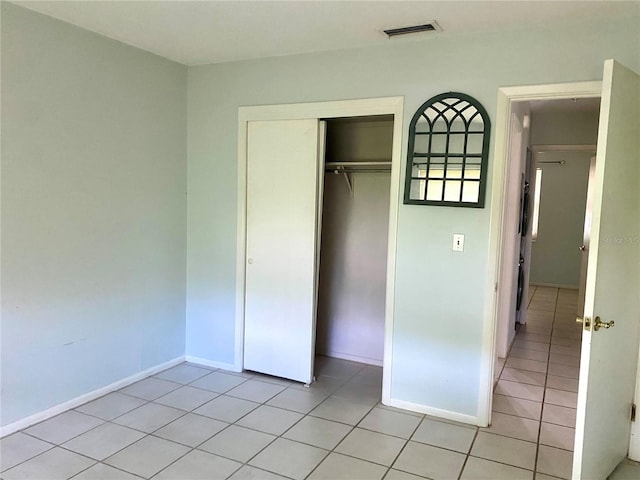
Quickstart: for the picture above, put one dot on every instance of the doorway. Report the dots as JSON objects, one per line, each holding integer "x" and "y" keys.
{"x": 318, "y": 111}
{"x": 561, "y": 214}
{"x": 354, "y": 237}
{"x": 611, "y": 288}
{"x": 535, "y": 397}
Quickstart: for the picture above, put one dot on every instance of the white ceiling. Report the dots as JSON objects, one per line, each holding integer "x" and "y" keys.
{"x": 201, "y": 32}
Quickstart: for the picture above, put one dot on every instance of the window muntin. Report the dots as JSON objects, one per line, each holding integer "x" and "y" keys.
{"x": 448, "y": 151}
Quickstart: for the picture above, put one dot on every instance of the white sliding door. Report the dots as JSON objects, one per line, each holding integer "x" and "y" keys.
{"x": 283, "y": 190}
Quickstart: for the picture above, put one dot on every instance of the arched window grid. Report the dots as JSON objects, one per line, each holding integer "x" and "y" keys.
{"x": 447, "y": 154}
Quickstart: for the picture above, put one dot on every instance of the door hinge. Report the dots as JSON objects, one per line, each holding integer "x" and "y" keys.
{"x": 633, "y": 412}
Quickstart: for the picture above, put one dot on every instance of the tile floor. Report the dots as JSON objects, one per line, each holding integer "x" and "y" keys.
{"x": 536, "y": 391}
{"x": 192, "y": 422}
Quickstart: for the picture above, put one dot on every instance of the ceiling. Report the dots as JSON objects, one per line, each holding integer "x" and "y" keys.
{"x": 201, "y": 32}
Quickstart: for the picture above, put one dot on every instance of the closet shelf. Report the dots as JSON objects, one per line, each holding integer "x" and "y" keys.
{"x": 347, "y": 168}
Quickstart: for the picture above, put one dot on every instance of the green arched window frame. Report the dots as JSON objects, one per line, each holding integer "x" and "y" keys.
{"x": 448, "y": 152}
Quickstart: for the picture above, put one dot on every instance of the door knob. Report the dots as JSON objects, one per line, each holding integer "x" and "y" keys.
{"x": 598, "y": 324}
{"x": 586, "y": 322}
{"x": 582, "y": 248}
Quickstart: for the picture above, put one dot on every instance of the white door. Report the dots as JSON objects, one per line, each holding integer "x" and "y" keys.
{"x": 283, "y": 189}
{"x": 609, "y": 356}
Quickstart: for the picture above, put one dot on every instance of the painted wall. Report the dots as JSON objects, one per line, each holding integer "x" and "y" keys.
{"x": 353, "y": 257}
{"x": 564, "y": 127}
{"x": 93, "y": 211}
{"x": 556, "y": 259}
{"x": 440, "y": 296}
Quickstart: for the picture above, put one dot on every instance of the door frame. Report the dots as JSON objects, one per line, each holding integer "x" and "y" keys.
{"x": 500, "y": 224}
{"x": 322, "y": 110}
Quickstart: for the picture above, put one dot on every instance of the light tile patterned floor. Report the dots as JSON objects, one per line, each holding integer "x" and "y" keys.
{"x": 192, "y": 422}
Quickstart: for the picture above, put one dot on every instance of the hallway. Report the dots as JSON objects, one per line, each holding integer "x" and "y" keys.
{"x": 535, "y": 397}
{"x": 536, "y": 393}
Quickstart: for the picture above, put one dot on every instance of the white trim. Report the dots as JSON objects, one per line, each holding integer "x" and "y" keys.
{"x": 507, "y": 95}
{"x": 554, "y": 285}
{"x": 395, "y": 201}
{"x": 322, "y": 110}
{"x": 634, "y": 441}
{"x": 210, "y": 363}
{"x": 354, "y": 358}
{"x": 434, "y": 412}
{"x": 87, "y": 397}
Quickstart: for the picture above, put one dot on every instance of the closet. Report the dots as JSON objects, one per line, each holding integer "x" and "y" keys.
{"x": 353, "y": 246}
{"x": 317, "y": 219}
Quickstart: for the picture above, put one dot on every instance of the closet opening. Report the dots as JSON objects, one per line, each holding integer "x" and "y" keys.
{"x": 285, "y": 307}
{"x": 350, "y": 323}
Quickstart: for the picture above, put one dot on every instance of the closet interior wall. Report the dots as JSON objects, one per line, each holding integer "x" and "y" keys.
{"x": 353, "y": 255}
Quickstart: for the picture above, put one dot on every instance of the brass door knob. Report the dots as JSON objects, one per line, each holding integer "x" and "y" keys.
{"x": 586, "y": 321}
{"x": 598, "y": 324}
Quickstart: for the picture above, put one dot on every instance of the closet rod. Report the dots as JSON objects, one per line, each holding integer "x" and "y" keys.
{"x": 356, "y": 170}
{"x": 357, "y": 164}
{"x": 556, "y": 162}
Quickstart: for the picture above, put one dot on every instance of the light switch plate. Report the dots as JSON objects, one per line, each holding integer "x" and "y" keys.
{"x": 458, "y": 242}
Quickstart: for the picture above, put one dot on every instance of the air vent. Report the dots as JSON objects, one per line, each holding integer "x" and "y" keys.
{"x": 426, "y": 27}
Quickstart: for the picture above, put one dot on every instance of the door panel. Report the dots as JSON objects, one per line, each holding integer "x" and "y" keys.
{"x": 609, "y": 356}
{"x": 282, "y": 245}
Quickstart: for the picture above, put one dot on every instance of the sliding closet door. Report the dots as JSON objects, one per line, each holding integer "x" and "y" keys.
{"x": 282, "y": 245}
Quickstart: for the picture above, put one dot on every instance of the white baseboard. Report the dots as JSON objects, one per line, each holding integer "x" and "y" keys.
{"x": 87, "y": 397}
{"x": 354, "y": 358}
{"x": 434, "y": 412}
{"x": 210, "y": 363}
{"x": 554, "y": 285}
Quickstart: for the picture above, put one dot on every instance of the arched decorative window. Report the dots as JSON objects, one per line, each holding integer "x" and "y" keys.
{"x": 448, "y": 152}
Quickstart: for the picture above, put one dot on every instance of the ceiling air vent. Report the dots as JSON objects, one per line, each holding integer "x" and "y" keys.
{"x": 426, "y": 27}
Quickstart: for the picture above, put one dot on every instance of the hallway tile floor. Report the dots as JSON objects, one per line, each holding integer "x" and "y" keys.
{"x": 192, "y": 422}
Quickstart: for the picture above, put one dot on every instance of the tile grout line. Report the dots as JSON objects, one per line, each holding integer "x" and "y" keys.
{"x": 192, "y": 449}
{"x": 544, "y": 392}
{"x": 265, "y": 403}
{"x": 146, "y": 434}
{"x": 353, "y": 427}
{"x": 407, "y": 440}
{"x": 151, "y": 434}
{"x": 280, "y": 436}
{"x": 61, "y": 445}
{"x": 466, "y": 458}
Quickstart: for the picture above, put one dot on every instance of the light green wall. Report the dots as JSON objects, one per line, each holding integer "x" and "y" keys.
{"x": 440, "y": 296}
{"x": 93, "y": 211}
{"x": 564, "y": 128}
